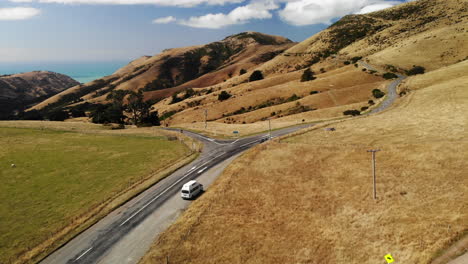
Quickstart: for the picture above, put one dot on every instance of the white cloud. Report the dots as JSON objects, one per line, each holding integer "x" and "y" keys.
{"x": 182, "y": 3}
{"x": 307, "y": 12}
{"x": 374, "y": 7}
{"x": 239, "y": 15}
{"x": 164, "y": 20}
{"x": 18, "y": 13}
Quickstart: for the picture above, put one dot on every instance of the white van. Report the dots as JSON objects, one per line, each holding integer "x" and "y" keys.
{"x": 191, "y": 189}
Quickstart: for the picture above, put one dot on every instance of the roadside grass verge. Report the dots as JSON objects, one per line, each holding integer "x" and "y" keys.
{"x": 308, "y": 198}
{"x": 63, "y": 182}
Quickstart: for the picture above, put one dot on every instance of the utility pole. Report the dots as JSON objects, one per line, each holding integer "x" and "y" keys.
{"x": 206, "y": 118}
{"x": 373, "y": 170}
{"x": 269, "y": 128}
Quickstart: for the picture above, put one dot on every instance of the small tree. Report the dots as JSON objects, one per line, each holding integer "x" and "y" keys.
{"x": 175, "y": 99}
{"x": 416, "y": 70}
{"x": 256, "y": 75}
{"x": 224, "y": 96}
{"x": 189, "y": 93}
{"x": 308, "y": 75}
{"x": 356, "y": 59}
{"x": 140, "y": 109}
{"x": 57, "y": 115}
{"x": 242, "y": 71}
{"x": 352, "y": 112}
{"x": 389, "y": 75}
{"x": 30, "y": 115}
{"x": 377, "y": 93}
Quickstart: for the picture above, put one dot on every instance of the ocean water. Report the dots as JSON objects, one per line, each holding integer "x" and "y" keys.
{"x": 81, "y": 71}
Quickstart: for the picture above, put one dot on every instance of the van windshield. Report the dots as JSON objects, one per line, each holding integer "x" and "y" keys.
{"x": 185, "y": 191}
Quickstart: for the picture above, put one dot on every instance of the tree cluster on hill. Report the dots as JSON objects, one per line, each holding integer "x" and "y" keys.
{"x": 138, "y": 110}
{"x": 378, "y": 93}
{"x": 308, "y": 75}
{"x": 224, "y": 96}
{"x": 416, "y": 70}
{"x": 256, "y": 76}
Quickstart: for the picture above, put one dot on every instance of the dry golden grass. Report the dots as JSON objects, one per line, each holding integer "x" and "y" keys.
{"x": 342, "y": 86}
{"x": 308, "y": 199}
{"x": 435, "y": 77}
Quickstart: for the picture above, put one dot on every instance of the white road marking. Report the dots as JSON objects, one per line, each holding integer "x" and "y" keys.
{"x": 163, "y": 192}
{"x": 194, "y": 167}
{"x": 248, "y": 143}
{"x": 185, "y": 176}
{"x": 84, "y": 253}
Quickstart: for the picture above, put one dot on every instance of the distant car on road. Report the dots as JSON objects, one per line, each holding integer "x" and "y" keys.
{"x": 191, "y": 189}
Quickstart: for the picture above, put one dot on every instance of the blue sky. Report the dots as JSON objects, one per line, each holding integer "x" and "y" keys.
{"x": 107, "y": 30}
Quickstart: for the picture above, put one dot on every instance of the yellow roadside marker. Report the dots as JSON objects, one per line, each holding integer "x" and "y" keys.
{"x": 389, "y": 258}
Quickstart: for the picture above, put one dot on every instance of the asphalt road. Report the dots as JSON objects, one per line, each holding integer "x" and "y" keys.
{"x": 125, "y": 234}
{"x": 391, "y": 90}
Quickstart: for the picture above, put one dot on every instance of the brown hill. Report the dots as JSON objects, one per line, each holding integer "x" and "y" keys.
{"x": 18, "y": 91}
{"x": 179, "y": 68}
{"x": 427, "y": 33}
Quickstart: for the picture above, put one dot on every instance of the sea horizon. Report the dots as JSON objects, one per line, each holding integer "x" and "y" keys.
{"x": 82, "y": 72}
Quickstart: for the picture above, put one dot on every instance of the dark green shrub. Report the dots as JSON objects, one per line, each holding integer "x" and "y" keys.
{"x": 30, "y": 115}
{"x": 364, "y": 108}
{"x": 378, "y": 93}
{"x": 175, "y": 99}
{"x": 371, "y": 102}
{"x": 308, "y": 75}
{"x": 167, "y": 115}
{"x": 77, "y": 112}
{"x": 224, "y": 96}
{"x": 352, "y": 112}
{"x": 256, "y": 76}
{"x": 389, "y": 75}
{"x": 242, "y": 71}
{"x": 356, "y": 59}
{"x": 293, "y": 97}
{"x": 416, "y": 70}
{"x": 347, "y": 63}
{"x": 57, "y": 115}
{"x": 314, "y": 92}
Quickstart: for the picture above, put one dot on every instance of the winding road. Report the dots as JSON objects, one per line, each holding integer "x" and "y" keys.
{"x": 391, "y": 90}
{"x": 126, "y": 234}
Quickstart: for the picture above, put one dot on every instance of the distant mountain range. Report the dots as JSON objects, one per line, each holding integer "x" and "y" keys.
{"x": 19, "y": 91}
{"x": 427, "y": 33}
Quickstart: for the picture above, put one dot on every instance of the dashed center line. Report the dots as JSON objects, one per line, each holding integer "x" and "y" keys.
{"x": 84, "y": 253}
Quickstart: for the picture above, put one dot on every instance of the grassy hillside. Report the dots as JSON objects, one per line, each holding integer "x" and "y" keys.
{"x": 427, "y": 33}
{"x": 430, "y": 33}
{"x": 308, "y": 198}
{"x": 62, "y": 181}
{"x": 177, "y": 69}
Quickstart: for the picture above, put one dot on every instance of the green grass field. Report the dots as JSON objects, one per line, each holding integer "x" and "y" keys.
{"x": 60, "y": 175}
